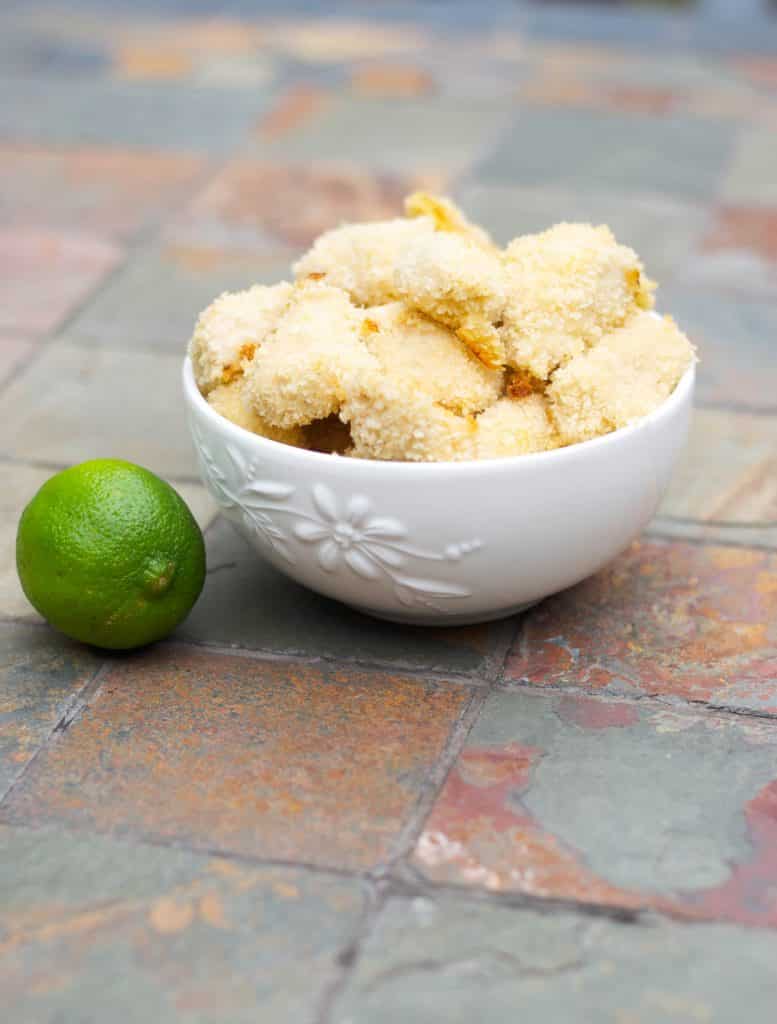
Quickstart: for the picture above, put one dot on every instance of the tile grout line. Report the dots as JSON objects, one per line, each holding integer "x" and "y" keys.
{"x": 680, "y": 704}
{"x": 55, "y": 466}
{"x": 717, "y": 524}
{"x": 408, "y": 835}
{"x": 74, "y": 708}
{"x": 452, "y": 748}
{"x": 379, "y": 877}
{"x": 348, "y": 957}
{"x": 765, "y": 411}
{"x": 138, "y": 839}
{"x": 432, "y": 675}
{"x": 419, "y": 887}
{"x": 129, "y": 248}
{"x": 457, "y": 737}
{"x": 390, "y": 887}
{"x": 501, "y": 684}
{"x": 659, "y": 532}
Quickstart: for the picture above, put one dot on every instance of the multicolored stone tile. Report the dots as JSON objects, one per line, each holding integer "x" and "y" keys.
{"x": 734, "y": 335}
{"x": 44, "y": 275}
{"x": 315, "y": 39}
{"x": 100, "y": 190}
{"x": 391, "y": 79}
{"x": 41, "y": 674}
{"x": 265, "y": 759}
{"x": 587, "y": 799}
{"x": 568, "y": 91}
{"x": 289, "y": 205}
{"x": 729, "y": 471}
{"x": 745, "y": 227}
{"x": 153, "y": 302}
{"x": 14, "y": 352}
{"x": 762, "y": 71}
{"x": 751, "y": 178}
{"x": 292, "y": 109}
{"x": 195, "y": 49}
{"x": 763, "y": 537}
{"x": 463, "y": 960}
{"x": 739, "y": 252}
{"x": 666, "y": 619}
{"x": 18, "y": 484}
{"x": 455, "y": 71}
{"x": 676, "y": 156}
{"x": 77, "y": 403}
{"x": 424, "y": 135}
{"x": 45, "y": 53}
{"x": 73, "y": 110}
{"x": 92, "y": 927}
{"x": 665, "y": 231}
{"x": 248, "y": 604}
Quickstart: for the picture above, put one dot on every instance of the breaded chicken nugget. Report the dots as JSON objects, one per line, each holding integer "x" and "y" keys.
{"x": 446, "y": 216}
{"x": 515, "y": 426}
{"x": 229, "y": 400}
{"x": 627, "y": 375}
{"x": 421, "y": 355}
{"x": 228, "y": 331}
{"x": 303, "y": 371}
{"x": 460, "y": 284}
{"x": 360, "y": 258}
{"x": 567, "y": 287}
{"x": 419, "y": 404}
{"x": 387, "y": 422}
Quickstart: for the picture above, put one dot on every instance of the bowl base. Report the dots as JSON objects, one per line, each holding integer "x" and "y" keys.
{"x": 462, "y": 619}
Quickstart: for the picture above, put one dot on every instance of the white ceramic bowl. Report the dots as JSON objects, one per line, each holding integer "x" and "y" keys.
{"x": 440, "y": 543}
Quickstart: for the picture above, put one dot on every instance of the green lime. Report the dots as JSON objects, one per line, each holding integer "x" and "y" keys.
{"x": 110, "y": 554}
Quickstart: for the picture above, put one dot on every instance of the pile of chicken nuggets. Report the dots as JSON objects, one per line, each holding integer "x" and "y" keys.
{"x": 419, "y": 339}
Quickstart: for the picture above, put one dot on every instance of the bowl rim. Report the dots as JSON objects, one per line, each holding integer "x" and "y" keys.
{"x": 680, "y": 396}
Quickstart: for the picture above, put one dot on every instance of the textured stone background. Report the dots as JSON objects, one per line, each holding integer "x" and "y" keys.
{"x": 289, "y": 812}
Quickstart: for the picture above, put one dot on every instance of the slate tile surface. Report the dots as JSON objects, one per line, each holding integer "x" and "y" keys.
{"x": 248, "y": 604}
{"x": 264, "y": 759}
{"x": 92, "y": 927}
{"x": 670, "y": 619}
{"x": 577, "y": 798}
{"x": 446, "y": 961}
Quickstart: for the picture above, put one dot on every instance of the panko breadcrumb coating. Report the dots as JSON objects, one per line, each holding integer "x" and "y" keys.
{"x": 229, "y": 330}
{"x": 417, "y": 339}
{"x": 627, "y": 375}
{"x": 446, "y": 216}
{"x": 360, "y": 258}
{"x": 459, "y": 284}
{"x": 229, "y": 400}
{"x": 567, "y": 287}
{"x": 420, "y": 402}
{"x": 515, "y": 426}
{"x": 388, "y": 422}
{"x": 304, "y": 369}
{"x": 420, "y": 355}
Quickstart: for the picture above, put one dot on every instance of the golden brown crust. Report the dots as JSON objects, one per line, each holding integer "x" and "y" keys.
{"x": 522, "y": 383}
{"x": 445, "y": 216}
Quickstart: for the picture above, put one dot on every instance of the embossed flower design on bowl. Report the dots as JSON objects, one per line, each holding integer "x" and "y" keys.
{"x": 365, "y": 543}
{"x": 355, "y": 540}
{"x": 374, "y": 547}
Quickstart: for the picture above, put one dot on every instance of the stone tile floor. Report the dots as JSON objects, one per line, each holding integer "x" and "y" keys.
{"x": 289, "y": 812}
